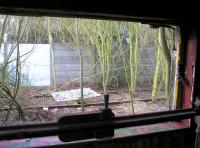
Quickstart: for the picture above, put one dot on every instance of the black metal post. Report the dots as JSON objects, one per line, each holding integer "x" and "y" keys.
{"x": 106, "y": 100}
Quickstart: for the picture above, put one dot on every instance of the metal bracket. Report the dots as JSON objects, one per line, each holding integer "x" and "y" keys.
{"x": 105, "y": 114}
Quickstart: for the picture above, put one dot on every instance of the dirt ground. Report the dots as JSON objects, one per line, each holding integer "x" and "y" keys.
{"x": 45, "y": 114}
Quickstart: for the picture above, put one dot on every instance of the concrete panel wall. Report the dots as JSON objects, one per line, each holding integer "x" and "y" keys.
{"x": 67, "y": 63}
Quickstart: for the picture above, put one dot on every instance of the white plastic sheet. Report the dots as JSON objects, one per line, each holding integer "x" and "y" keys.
{"x": 74, "y": 94}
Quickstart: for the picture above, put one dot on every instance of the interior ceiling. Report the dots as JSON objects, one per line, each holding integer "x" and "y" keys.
{"x": 120, "y": 10}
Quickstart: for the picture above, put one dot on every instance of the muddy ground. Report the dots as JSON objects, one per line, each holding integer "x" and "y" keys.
{"x": 44, "y": 114}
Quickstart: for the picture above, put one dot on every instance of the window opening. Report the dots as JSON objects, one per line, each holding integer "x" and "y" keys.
{"x": 51, "y": 67}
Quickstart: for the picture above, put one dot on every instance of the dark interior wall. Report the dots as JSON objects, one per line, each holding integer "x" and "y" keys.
{"x": 181, "y": 139}
{"x": 145, "y": 11}
{"x": 176, "y": 139}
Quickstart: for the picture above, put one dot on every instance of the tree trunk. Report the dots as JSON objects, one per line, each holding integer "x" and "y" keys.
{"x": 166, "y": 52}
{"x": 52, "y": 54}
{"x": 156, "y": 76}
